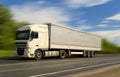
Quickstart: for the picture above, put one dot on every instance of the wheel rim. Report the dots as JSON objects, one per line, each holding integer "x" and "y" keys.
{"x": 38, "y": 55}
{"x": 88, "y": 54}
{"x": 92, "y": 54}
{"x": 84, "y": 54}
{"x": 62, "y": 54}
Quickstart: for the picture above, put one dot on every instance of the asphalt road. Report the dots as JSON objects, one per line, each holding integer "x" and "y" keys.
{"x": 54, "y": 67}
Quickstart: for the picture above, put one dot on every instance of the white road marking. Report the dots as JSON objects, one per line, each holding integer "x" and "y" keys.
{"x": 45, "y": 74}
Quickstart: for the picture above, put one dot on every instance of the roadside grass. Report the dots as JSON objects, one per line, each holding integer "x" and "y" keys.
{"x": 110, "y": 52}
{"x": 7, "y": 53}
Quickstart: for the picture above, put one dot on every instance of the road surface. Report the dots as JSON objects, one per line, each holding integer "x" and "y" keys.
{"x": 54, "y": 67}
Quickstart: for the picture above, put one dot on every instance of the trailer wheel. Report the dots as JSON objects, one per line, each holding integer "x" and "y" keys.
{"x": 84, "y": 54}
{"x": 62, "y": 54}
{"x": 38, "y": 55}
{"x": 92, "y": 54}
{"x": 88, "y": 54}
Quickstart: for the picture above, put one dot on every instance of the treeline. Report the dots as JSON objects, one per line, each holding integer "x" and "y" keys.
{"x": 108, "y": 47}
{"x": 8, "y": 27}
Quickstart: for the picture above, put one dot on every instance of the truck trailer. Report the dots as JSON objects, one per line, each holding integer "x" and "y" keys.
{"x": 49, "y": 40}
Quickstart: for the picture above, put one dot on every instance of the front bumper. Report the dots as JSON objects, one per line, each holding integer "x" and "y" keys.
{"x": 24, "y": 52}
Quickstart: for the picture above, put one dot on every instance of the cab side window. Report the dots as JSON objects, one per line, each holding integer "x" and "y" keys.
{"x": 34, "y": 35}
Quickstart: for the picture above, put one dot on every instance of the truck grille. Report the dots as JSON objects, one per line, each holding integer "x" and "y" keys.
{"x": 21, "y": 44}
{"x": 20, "y": 51}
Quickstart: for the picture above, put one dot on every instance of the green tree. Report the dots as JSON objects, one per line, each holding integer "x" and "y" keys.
{"x": 8, "y": 27}
{"x": 5, "y": 14}
{"x": 5, "y": 27}
{"x": 108, "y": 47}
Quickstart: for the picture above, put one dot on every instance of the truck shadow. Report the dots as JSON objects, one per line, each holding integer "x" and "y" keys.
{"x": 12, "y": 58}
{"x": 15, "y": 58}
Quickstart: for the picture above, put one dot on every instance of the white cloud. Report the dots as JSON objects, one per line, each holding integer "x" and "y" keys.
{"x": 111, "y": 35}
{"x": 85, "y": 3}
{"x": 103, "y": 25}
{"x": 109, "y": 20}
{"x": 35, "y": 13}
{"x": 84, "y": 27}
{"x": 115, "y": 17}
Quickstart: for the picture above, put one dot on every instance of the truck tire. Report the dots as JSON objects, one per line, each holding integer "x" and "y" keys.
{"x": 92, "y": 54}
{"x": 88, "y": 54}
{"x": 38, "y": 55}
{"x": 62, "y": 54}
{"x": 84, "y": 54}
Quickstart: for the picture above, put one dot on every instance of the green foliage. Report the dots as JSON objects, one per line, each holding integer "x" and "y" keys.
{"x": 5, "y": 14}
{"x": 8, "y": 27}
{"x": 108, "y": 47}
{"x": 7, "y": 53}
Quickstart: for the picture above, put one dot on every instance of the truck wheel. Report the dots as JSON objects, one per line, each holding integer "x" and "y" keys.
{"x": 38, "y": 55}
{"x": 92, "y": 54}
{"x": 62, "y": 54}
{"x": 88, "y": 54}
{"x": 84, "y": 54}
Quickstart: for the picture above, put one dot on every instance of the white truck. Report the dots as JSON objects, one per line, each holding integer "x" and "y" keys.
{"x": 48, "y": 40}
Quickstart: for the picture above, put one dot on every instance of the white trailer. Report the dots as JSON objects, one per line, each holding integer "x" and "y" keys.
{"x": 46, "y": 40}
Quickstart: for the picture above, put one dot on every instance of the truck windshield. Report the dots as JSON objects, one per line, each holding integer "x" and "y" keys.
{"x": 22, "y": 35}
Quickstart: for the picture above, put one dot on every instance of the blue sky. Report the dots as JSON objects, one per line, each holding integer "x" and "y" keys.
{"x": 101, "y": 17}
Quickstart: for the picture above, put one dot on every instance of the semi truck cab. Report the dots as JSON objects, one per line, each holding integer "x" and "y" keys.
{"x": 30, "y": 38}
